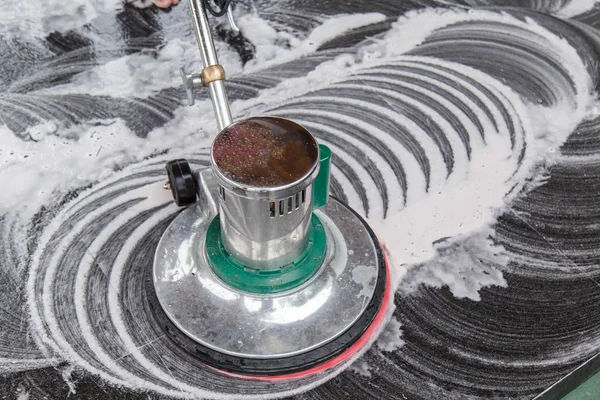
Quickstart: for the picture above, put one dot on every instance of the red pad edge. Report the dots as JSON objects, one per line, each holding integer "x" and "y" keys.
{"x": 349, "y": 352}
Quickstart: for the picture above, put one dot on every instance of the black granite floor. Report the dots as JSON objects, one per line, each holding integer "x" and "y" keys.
{"x": 514, "y": 342}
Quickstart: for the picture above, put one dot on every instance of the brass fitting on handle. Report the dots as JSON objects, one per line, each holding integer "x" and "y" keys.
{"x": 212, "y": 73}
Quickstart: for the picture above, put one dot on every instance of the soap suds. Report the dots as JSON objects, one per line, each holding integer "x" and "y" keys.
{"x": 149, "y": 71}
{"x": 464, "y": 264}
{"x": 38, "y": 18}
{"x": 390, "y": 339}
{"x": 576, "y": 7}
{"x": 276, "y": 47}
{"x": 451, "y": 208}
{"x": 361, "y": 367}
{"x": 145, "y": 73}
{"x": 66, "y": 373}
{"x": 467, "y": 202}
{"x": 22, "y": 395}
{"x": 359, "y": 274}
{"x": 57, "y": 160}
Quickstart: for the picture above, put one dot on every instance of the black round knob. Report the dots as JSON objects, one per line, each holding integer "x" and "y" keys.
{"x": 181, "y": 180}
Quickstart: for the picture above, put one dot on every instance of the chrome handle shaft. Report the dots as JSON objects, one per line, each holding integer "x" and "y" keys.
{"x": 209, "y": 58}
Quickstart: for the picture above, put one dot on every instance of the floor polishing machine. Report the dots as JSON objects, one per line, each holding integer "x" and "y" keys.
{"x": 263, "y": 275}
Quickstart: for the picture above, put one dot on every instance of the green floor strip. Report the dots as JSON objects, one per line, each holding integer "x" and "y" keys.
{"x": 590, "y": 389}
{"x": 582, "y": 383}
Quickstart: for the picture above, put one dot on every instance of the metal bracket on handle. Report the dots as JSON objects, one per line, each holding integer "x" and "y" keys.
{"x": 190, "y": 82}
{"x": 212, "y": 74}
{"x": 232, "y": 23}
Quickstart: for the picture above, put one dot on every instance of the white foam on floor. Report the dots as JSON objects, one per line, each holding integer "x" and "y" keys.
{"x": 472, "y": 200}
{"x": 145, "y": 73}
{"x": 276, "y": 47}
{"x": 464, "y": 264}
{"x": 576, "y": 7}
{"x": 468, "y": 201}
{"x": 390, "y": 339}
{"x": 22, "y": 395}
{"x": 59, "y": 159}
{"x": 38, "y": 18}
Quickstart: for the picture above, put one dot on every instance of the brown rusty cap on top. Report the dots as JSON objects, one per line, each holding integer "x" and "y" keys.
{"x": 265, "y": 152}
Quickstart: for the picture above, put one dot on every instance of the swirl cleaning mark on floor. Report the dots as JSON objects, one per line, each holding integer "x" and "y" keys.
{"x": 430, "y": 144}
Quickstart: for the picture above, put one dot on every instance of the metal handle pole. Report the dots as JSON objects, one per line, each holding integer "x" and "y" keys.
{"x": 209, "y": 58}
